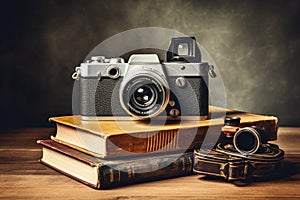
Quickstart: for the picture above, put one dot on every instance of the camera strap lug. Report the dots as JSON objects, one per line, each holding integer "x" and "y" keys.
{"x": 76, "y": 74}
{"x": 212, "y": 72}
{"x": 99, "y": 76}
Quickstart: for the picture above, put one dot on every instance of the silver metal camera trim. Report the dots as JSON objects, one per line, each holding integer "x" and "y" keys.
{"x": 101, "y": 66}
{"x": 92, "y": 69}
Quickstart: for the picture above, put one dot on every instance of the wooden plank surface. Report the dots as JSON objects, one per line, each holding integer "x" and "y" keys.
{"x": 22, "y": 177}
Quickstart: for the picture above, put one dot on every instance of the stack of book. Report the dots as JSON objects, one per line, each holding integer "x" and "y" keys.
{"x": 105, "y": 154}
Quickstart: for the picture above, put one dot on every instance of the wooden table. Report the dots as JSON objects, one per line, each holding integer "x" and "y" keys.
{"x": 21, "y": 176}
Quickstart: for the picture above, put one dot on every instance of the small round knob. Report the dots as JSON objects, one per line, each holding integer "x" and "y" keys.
{"x": 172, "y": 103}
{"x": 98, "y": 58}
{"x": 174, "y": 112}
{"x": 180, "y": 82}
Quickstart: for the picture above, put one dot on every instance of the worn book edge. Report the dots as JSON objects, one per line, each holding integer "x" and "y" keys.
{"x": 108, "y": 177}
{"x": 77, "y": 147}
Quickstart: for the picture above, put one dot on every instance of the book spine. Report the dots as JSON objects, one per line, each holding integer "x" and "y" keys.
{"x": 145, "y": 170}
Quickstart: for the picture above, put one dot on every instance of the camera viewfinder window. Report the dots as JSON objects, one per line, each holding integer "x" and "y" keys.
{"x": 183, "y": 49}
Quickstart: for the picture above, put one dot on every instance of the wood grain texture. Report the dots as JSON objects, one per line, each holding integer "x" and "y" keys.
{"x": 22, "y": 177}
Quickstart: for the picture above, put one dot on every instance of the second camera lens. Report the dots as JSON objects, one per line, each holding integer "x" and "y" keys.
{"x": 248, "y": 140}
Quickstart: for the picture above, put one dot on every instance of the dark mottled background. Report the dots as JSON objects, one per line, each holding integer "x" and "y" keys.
{"x": 255, "y": 44}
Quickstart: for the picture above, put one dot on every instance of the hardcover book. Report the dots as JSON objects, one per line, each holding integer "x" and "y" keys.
{"x": 100, "y": 173}
{"x": 105, "y": 139}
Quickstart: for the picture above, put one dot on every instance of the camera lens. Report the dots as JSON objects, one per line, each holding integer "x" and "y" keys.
{"x": 248, "y": 140}
{"x": 144, "y": 94}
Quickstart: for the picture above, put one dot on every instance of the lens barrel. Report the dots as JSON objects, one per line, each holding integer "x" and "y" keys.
{"x": 249, "y": 140}
{"x": 144, "y": 94}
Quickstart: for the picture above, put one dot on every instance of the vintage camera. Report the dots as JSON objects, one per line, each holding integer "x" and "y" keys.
{"x": 144, "y": 87}
{"x": 247, "y": 140}
{"x": 241, "y": 154}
